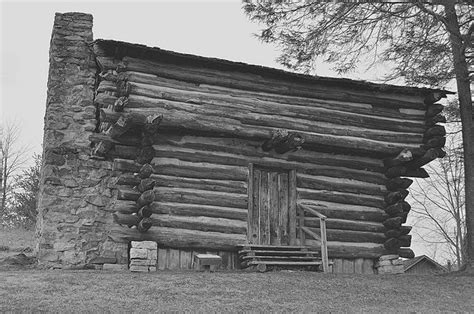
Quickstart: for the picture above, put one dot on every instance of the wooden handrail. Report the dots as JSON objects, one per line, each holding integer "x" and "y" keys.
{"x": 322, "y": 239}
{"x": 312, "y": 211}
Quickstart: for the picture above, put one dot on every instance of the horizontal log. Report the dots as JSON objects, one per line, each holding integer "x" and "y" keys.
{"x": 255, "y": 82}
{"x": 343, "y": 224}
{"x": 184, "y": 209}
{"x": 179, "y": 168}
{"x": 339, "y": 197}
{"x": 345, "y": 106}
{"x": 339, "y": 185}
{"x": 325, "y": 114}
{"x": 230, "y": 186}
{"x": 305, "y": 122}
{"x": 398, "y": 183}
{"x": 406, "y": 172}
{"x": 201, "y": 223}
{"x": 180, "y": 238}
{"x": 195, "y": 155}
{"x": 249, "y": 147}
{"x": 395, "y": 233}
{"x": 350, "y": 235}
{"x": 430, "y": 155}
{"x": 347, "y": 212}
{"x": 127, "y": 194}
{"x": 123, "y": 207}
{"x": 127, "y": 220}
{"x": 203, "y": 197}
{"x": 204, "y": 122}
{"x": 126, "y": 139}
{"x": 349, "y": 250}
{"x": 406, "y": 252}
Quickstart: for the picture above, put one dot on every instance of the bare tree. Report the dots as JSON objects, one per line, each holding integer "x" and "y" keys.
{"x": 14, "y": 157}
{"x": 438, "y": 209}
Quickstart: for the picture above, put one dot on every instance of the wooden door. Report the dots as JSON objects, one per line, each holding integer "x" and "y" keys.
{"x": 272, "y": 206}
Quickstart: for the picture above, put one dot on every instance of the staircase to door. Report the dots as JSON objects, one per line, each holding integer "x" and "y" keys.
{"x": 275, "y": 232}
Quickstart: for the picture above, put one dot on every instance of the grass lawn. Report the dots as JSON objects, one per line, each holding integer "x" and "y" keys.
{"x": 91, "y": 291}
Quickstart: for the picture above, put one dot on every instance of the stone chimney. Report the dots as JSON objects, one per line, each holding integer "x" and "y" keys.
{"x": 74, "y": 192}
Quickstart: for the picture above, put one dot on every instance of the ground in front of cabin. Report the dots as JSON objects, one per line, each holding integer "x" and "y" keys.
{"x": 25, "y": 289}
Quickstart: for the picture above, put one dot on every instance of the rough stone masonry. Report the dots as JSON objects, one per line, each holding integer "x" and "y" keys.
{"x": 75, "y": 191}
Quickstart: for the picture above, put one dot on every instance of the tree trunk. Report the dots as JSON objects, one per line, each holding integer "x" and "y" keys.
{"x": 465, "y": 104}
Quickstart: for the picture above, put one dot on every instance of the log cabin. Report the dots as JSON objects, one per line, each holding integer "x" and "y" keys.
{"x": 207, "y": 155}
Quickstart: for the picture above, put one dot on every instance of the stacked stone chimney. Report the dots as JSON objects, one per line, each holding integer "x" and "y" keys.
{"x": 74, "y": 188}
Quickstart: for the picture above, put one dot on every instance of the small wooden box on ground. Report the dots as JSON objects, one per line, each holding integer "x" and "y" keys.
{"x": 207, "y": 262}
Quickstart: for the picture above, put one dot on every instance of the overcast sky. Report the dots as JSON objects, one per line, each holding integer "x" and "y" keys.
{"x": 213, "y": 28}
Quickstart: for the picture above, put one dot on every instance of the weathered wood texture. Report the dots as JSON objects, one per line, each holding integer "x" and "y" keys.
{"x": 214, "y": 125}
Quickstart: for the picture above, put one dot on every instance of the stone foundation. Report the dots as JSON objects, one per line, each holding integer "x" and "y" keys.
{"x": 143, "y": 256}
{"x": 390, "y": 264}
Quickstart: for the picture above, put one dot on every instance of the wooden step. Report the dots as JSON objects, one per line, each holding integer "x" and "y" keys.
{"x": 275, "y": 263}
{"x": 289, "y": 258}
{"x": 272, "y": 252}
{"x": 273, "y": 247}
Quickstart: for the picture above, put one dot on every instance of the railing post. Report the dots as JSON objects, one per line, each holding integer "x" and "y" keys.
{"x": 301, "y": 224}
{"x": 324, "y": 245}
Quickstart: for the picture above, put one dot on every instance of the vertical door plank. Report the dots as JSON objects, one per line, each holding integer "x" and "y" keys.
{"x": 292, "y": 197}
{"x": 283, "y": 204}
{"x": 275, "y": 237}
{"x": 254, "y": 235}
{"x": 264, "y": 221}
{"x": 250, "y": 203}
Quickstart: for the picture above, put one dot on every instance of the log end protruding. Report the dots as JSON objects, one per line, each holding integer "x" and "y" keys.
{"x": 102, "y": 148}
{"x": 406, "y": 252}
{"x": 145, "y": 171}
{"x": 394, "y": 197}
{"x": 146, "y": 198}
{"x": 283, "y": 141}
{"x": 398, "y": 183}
{"x": 144, "y": 225}
{"x": 120, "y": 104}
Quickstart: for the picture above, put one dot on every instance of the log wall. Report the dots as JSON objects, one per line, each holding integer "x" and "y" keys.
{"x": 213, "y": 122}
